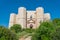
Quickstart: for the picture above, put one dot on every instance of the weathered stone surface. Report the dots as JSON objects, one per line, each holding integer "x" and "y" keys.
{"x": 26, "y": 18}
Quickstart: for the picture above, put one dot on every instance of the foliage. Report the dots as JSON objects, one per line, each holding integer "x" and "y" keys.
{"x": 6, "y": 34}
{"x": 28, "y": 30}
{"x": 44, "y": 31}
{"x": 56, "y": 22}
{"x": 16, "y": 28}
{"x": 56, "y": 34}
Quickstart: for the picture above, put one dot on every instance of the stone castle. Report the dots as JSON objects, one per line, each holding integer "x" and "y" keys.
{"x": 28, "y": 19}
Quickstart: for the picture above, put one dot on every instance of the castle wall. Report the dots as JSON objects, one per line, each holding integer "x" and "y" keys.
{"x": 26, "y": 18}
{"x": 12, "y": 19}
{"x": 39, "y": 15}
{"x": 29, "y": 14}
{"x": 21, "y": 17}
{"x": 47, "y": 16}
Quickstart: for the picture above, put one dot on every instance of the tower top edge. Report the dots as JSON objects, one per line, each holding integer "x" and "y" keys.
{"x": 39, "y": 8}
{"x": 21, "y": 8}
{"x": 47, "y": 14}
{"x": 13, "y": 14}
{"x": 31, "y": 11}
{"x": 25, "y": 8}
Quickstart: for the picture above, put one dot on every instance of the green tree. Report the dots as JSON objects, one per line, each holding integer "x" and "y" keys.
{"x": 56, "y": 22}
{"x": 16, "y": 28}
{"x": 56, "y": 34}
{"x": 44, "y": 31}
{"x": 6, "y": 34}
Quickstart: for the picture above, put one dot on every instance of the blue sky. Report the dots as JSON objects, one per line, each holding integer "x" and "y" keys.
{"x": 9, "y": 6}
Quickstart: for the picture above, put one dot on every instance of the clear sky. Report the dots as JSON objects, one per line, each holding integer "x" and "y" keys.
{"x": 9, "y": 6}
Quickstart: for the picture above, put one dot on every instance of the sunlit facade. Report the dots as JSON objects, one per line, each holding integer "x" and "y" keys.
{"x": 29, "y": 19}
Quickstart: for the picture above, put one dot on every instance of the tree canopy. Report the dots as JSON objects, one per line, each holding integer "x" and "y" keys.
{"x": 56, "y": 21}
{"x": 16, "y": 28}
{"x": 6, "y": 34}
{"x": 44, "y": 31}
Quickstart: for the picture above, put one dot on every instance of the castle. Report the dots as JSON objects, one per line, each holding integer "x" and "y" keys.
{"x": 29, "y": 19}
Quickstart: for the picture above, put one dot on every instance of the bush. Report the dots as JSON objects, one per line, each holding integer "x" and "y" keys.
{"x": 28, "y": 30}
{"x": 56, "y": 34}
{"x": 44, "y": 31}
{"x": 16, "y": 28}
{"x": 6, "y": 34}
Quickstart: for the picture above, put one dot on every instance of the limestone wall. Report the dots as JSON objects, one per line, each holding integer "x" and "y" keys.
{"x": 47, "y": 16}
{"x": 39, "y": 15}
{"x": 12, "y": 19}
{"x": 23, "y": 17}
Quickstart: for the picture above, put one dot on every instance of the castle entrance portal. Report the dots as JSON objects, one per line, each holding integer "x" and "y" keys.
{"x": 31, "y": 26}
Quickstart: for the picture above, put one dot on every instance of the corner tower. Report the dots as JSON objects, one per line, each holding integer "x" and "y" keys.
{"x": 47, "y": 17}
{"x": 12, "y": 19}
{"x": 39, "y": 15}
{"x": 21, "y": 17}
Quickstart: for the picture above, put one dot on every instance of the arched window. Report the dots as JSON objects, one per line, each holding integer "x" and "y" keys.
{"x": 31, "y": 17}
